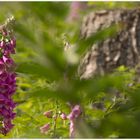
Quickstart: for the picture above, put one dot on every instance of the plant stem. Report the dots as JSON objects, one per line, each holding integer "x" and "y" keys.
{"x": 55, "y": 118}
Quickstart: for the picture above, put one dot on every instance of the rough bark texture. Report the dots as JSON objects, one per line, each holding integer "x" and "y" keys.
{"x": 123, "y": 49}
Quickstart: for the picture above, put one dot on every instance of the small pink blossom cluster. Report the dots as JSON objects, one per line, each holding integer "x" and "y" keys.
{"x": 7, "y": 81}
{"x": 49, "y": 114}
{"x": 46, "y": 127}
{"x": 74, "y": 114}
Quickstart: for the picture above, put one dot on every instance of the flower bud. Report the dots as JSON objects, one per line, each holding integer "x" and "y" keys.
{"x": 45, "y": 128}
{"x": 76, "y": 110}
{"x": 63, "y": 116}
{"x": 48, "y": 114}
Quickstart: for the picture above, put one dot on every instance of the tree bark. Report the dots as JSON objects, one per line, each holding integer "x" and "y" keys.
{"x": 122, "y": 49}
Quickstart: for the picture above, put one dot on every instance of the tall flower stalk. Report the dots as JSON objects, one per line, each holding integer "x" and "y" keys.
{"x": 7, "y": 77}
{"x": 73, "y": 116}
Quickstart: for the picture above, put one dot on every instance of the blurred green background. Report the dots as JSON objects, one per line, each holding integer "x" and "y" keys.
{"x": 41, "y": 29}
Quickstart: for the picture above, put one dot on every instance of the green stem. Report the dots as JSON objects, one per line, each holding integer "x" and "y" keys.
{"x": 55, "y": 118}
{"x": 110, "y": 107}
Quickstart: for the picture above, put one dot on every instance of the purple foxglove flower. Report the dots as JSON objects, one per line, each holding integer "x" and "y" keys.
{"x": 7, "y": 82}
{"x": 3, "y": 76}
{"x": 8, "y": 60}
{"x": 13, "y": 42}
{"x": 2, "y": 44}
{"x": 2, "y": 67}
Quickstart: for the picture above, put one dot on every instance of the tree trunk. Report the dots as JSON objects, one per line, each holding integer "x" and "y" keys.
{"x": 122, "y": 49}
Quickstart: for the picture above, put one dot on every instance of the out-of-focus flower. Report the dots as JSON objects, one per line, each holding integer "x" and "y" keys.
{"x": 75, "y": 113}
{"x": 72, "y": 125}
{"x": 63, "y": 116}
{"x": 45, "y": 128}
{"x": 76, "y": 110}
{"x": 48, "y": 114}
{"x": 75, "y": 8}
{"x": 71, "y": 116}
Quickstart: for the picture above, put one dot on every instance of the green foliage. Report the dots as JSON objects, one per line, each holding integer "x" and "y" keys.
{"x": 47, "y": 79}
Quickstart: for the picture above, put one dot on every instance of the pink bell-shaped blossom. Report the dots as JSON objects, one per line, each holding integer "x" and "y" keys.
{"x": 45, "y": 128}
